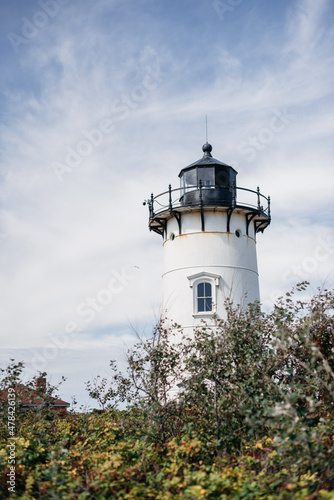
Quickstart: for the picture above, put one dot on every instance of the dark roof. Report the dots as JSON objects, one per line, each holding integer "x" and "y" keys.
{"x": 207, "y": 160}
{"x": 32, "y": 397}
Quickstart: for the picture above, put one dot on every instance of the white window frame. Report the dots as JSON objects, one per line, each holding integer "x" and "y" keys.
{"x": 204, "y": 277}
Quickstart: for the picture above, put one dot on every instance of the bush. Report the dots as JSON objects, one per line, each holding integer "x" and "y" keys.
{"x": 252, "y": 419}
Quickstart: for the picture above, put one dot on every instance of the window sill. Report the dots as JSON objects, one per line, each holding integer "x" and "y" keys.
{"x": 204, "y": 314}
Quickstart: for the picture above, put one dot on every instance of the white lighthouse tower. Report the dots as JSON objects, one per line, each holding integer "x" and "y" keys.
{"x": 209, "y": 227}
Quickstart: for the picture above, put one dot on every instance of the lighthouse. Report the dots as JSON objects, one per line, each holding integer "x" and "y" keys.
{"x": 209, "y": 226}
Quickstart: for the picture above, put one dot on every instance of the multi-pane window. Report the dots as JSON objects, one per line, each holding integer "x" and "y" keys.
{"x": 205, "y": 287}
{"x": 204, "y": 297}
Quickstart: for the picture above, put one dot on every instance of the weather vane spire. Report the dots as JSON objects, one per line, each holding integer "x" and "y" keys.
{"x": 206, "y": 128}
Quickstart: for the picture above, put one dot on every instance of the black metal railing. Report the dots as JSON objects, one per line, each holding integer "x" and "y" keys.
{"x": 174, "y": 199}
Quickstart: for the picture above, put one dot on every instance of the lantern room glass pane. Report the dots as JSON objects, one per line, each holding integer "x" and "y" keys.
{"x": 223, "y": 177}
{"x": 207, "y": 176}
{"x": 182, "y": 184}
{"x": 188, "y": 181}
{"x": 190, "y": 178}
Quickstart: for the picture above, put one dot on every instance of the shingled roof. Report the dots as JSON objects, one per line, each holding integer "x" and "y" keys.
{"x": 35, "y": 398}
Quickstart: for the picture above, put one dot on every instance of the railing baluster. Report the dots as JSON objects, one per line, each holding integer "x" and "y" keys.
{"x": 151, "y": 206}
{"x": 170, "y": 198}
{"x": 258, "y": 198}
{"x": 201, "y": 205}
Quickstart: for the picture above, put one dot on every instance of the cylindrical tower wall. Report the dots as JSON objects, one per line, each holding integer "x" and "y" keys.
{"x": 226, "y": 260}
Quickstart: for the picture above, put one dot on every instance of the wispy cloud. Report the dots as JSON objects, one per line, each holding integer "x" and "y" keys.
{"x": 307, "y": 25}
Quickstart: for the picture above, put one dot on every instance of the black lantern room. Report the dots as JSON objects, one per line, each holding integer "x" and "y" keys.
{"x": 208, "y": 178}
{"x": 208, "y": 184}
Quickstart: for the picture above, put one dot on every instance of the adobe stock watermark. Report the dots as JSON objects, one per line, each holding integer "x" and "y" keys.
{"x": 85, "y": 314}
{"x": 11, "y": 475}
{"x": 303, "y": 271}
{"x": 223, "y": 7}
{"x": 31, "y": 27}
{"x": 255, "y": 143}
{"x": 120, "y": 110}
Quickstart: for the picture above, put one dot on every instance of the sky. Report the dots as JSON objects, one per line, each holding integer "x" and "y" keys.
{"x": 103, "y": 103}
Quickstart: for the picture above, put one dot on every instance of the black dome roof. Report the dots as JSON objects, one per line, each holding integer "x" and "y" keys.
{"x": 207, "y": 160}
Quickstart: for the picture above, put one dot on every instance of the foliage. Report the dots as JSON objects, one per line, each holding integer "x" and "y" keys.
{"x": 241, "y": 410}
{"x": 107, "y": 455}
{"x": 36, "y": 389}
{"x": 109, "y": 394}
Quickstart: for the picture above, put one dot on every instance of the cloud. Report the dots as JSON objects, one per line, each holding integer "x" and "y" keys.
{"x": 306, "y": 26}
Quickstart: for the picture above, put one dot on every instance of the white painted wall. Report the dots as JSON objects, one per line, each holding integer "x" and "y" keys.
{"x": 213, "y": 251}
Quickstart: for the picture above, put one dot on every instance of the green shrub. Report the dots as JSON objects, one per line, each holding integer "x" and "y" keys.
{"x": 253, "y": 420}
